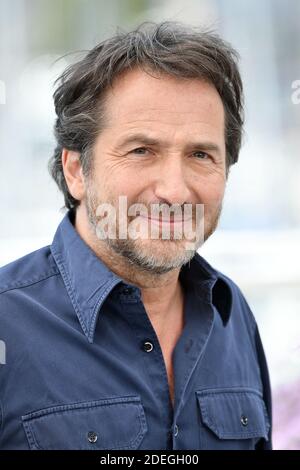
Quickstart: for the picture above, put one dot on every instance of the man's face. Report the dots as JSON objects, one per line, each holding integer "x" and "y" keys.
{"x": 163, "y": 142}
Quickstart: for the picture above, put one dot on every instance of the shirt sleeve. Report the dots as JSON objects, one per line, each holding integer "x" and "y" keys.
{"x": 267, "y": 395}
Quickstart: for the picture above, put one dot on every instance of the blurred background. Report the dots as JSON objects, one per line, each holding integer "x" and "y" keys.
{"x": 258, "y": 240}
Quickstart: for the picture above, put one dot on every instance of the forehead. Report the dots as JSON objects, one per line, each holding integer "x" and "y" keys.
{"x": 137, "y": 96}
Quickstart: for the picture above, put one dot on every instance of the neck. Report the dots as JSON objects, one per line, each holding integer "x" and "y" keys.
{"x": 162, "y": 294}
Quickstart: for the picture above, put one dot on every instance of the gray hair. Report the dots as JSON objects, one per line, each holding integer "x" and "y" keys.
{"x": 169, "y": 48}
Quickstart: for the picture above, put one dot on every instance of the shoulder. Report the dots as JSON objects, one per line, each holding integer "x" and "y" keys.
{"x": 27, "y": 270}
{"x": 236, "y": 291}
{"x": 226, "y": 293}
{"x": 238, "y": 305}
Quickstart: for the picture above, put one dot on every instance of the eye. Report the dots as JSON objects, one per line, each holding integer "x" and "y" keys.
{"x": 201, "y": 155}
{"x": 139, "y": 151}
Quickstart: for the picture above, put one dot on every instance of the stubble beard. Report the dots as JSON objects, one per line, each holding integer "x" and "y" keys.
{"x": 153, "y": 256}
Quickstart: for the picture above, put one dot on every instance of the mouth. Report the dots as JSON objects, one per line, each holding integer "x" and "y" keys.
{"x": 169, "y": 221}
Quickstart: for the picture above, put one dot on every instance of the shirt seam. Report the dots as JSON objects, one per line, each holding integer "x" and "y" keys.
{"x": 63, "y": 271}
{"x": 29, "y": 282}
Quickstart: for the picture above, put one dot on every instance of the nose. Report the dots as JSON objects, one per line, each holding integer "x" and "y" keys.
{"x": 171, "y": 184}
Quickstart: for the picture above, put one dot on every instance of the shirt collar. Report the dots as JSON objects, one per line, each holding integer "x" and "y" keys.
{"x": 89, "y": 281}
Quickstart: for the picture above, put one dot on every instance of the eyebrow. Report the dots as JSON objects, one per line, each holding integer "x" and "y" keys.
{"x": 147, "y": 140}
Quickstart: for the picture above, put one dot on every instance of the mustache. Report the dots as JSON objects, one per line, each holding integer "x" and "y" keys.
{"x": 164, "y": 210}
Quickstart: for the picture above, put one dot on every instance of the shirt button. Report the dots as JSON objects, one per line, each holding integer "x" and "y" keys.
{"x": 92, "y": 437}
{"x": 175, "y": 430}
{"x": 127, "y": 290}
{"x": 147, "y": 346}
{"x": 244, "y": 420}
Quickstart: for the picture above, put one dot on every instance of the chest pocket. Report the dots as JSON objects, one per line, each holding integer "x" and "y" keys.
{"x": 232, "y": 418}
{"x": 114, "y": 423}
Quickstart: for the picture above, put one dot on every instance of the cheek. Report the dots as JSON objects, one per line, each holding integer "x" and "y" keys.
{"x": 119, "y": 180}
{"x": 211, "y": 192}
{"x": 125, "y": 184}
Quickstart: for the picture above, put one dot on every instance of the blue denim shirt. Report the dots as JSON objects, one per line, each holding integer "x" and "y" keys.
{"x": 84, "y": 368}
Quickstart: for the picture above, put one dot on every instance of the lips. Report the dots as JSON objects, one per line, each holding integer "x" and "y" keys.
{"x": 167, "y": 220}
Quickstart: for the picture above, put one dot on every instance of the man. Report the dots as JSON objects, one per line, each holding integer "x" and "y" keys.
{"x": 120, "y": 341}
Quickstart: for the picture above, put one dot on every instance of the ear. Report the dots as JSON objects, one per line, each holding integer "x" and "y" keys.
{"x": 73, "y": 173}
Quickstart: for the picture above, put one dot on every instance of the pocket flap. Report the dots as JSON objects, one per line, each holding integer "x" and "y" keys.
{"x": 114, "y": 423}
{"x": 234, "y": 414}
